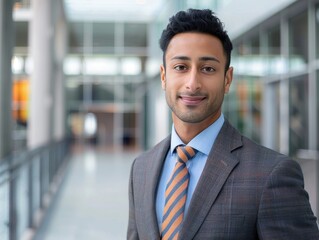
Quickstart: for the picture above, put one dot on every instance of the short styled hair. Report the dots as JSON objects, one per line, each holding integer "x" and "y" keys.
{"x": 195, "y": 20}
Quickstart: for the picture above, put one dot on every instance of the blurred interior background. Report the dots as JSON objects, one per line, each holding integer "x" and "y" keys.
{"x": 85, "y": 73}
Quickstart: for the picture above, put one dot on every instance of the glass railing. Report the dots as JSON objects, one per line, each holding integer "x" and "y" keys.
{"x": 28, "y": 182}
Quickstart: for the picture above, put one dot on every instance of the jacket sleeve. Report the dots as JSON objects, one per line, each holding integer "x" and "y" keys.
{"x": 285, "y": 211}
{"x": 132, "y": 233}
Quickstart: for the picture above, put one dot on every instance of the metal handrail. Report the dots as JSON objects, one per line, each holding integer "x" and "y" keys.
{"x": 25, "y": 180}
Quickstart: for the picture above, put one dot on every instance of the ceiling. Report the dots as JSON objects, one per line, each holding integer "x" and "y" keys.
{"x": 105, "y": 10}
{"x": 104, "y": 27}
{"x": 96, "y": 23}
{"x": 100, "y": 21}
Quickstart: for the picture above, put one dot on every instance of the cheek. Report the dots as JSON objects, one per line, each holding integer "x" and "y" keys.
{"x": 215, "y": 90}
{"x": 168, "y": 84}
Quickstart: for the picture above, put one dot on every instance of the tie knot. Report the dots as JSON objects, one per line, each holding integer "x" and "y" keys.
{"x": 185, "y": 153}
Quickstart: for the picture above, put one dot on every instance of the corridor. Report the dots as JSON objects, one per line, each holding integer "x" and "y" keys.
{"x": 92, "y": 202}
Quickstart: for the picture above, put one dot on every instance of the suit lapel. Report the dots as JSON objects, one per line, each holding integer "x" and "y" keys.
{"x": 153, "y": 170}
{"x": 219, "y": 165}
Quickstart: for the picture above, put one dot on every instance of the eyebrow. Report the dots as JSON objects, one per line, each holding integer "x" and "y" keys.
{"x": 205, "y": 58}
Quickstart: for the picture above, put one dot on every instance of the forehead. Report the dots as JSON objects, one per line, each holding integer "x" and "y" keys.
{"x": 195, "y": 45}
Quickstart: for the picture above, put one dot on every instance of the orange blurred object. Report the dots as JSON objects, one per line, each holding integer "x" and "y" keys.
{"x": 20, "y": 99}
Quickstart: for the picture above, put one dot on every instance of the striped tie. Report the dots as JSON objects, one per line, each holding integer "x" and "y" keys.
{"x": 175, "y": 195}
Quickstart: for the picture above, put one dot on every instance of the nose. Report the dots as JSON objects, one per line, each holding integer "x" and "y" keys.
{"x": 193, "y": 82}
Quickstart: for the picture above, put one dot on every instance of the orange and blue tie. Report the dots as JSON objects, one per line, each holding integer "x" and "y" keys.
{"x": 175, "y": 194}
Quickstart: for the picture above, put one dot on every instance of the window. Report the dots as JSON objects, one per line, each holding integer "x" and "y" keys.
{"x": 21, "y": 34}
{"x": 103, "y": 92}
{"x": 298, "y": 42}
{"x": 135, "y": 35}
{"x": 72, "y": 66}
{"x": 103, "y": 38}
{"x": 131, "y": 66}
{"x": 298, "y": 114}
{"x": 274, "y": 41}
{"x": 255, "y": 46}
{"x": 100, "y": 66}
{"x": 76, "y": 37}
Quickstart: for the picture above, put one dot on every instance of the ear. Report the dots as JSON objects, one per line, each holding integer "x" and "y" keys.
{"x": 163, "y": 77}
{"x": 228, "y": 79}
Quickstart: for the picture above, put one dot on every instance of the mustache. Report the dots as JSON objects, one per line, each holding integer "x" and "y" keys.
{"x": 192, "y": 94}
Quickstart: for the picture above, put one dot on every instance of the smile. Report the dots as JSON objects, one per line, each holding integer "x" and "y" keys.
{"x": 192, "y": 100}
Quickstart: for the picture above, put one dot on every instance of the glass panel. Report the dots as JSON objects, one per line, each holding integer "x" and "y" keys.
{"x": 275, "y": 64}
{"x": 103, "y": 38}
{"x": 45, "y": 172}
{"x": 249, "y": 101}
{"x": 36, "y": 184}
{"x": 242, "y": 96}
{"x": 255, "y": 46}
{"x": 298, "y": 42}
{"x": 103, "y": 34}
{"x": 129, "y": 96}
{"x": 74, "y": 90}
{"x": 231, "y": 106}
{"x": 4, "y": 210}
{"x": 135, "y": 35}
{"x": 76, "y": 36}
{"x": 274, "y": 41}
{"x": 21, "y": 34}
{"x": 22, "y": 201}
{"x": 103, "y": 92}
{"x": 298, "y": 114}
{"x": 129, "y": 129}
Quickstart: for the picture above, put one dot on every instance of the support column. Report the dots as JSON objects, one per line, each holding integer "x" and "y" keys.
{"x": 118, "y": 91}
{"x": 60, "y": 52}
{"x": 40, "y": 127}
{"x": 6, "y": 51}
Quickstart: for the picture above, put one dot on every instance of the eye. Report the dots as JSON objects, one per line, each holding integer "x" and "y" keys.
{"x": 208, "y": 69}
{"x": 180, "y": 67}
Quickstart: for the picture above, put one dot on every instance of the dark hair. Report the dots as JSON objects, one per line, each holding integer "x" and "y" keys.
{"x": 194, "y": 20}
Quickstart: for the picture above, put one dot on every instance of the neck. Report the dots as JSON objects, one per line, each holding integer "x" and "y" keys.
{"x": 187, "y": 131}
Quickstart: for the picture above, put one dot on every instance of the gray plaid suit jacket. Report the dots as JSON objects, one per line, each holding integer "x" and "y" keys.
{"x": 246, "y": 191}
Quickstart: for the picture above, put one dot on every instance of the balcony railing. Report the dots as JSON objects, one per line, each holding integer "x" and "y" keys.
{"x": 27, "y": 183}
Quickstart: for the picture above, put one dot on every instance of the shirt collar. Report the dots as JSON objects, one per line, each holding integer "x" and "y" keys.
{"x": 203, "y": 141}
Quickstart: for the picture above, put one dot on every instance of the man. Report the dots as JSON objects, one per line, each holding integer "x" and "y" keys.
{"x": 223, "y": 186}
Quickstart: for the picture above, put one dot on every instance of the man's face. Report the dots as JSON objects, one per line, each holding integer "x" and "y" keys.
{"x": 194, "y": 77}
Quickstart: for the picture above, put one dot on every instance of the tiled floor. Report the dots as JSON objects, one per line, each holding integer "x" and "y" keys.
{"x": 92, "y": 203}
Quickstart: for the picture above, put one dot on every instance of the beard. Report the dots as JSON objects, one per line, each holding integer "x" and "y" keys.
{"x": 195, "y": 114}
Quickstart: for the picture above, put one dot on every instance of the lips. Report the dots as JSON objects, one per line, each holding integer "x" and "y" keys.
{"x": 191, "y": 100}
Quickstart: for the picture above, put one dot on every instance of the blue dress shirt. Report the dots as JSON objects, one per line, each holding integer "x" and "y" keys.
{"x": 203, "y": 143}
